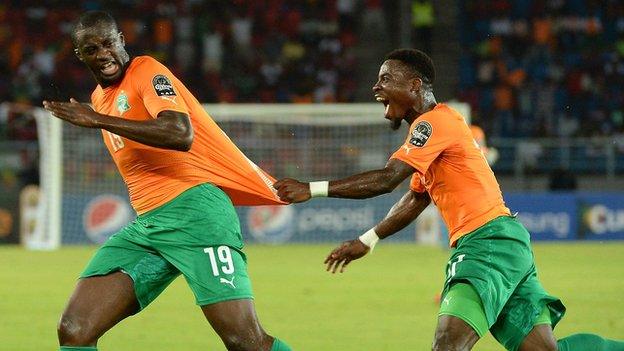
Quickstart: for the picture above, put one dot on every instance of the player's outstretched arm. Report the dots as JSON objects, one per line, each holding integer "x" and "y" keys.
{"x": 170, "y": 130}
{"x": 400, "y": 215}
{"x": 359, "y": 186}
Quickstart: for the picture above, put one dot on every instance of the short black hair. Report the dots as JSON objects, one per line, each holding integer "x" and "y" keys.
{"x": 91, "y": 19}
{"x": 417, "y": 60}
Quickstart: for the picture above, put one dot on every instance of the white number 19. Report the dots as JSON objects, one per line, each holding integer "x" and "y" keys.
{"x": 225, "y": 258}
{"x": 116, "y": 141}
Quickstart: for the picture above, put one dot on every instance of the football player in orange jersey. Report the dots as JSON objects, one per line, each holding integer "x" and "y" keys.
{"x": 183, "y": 176}
{"x": 491, "y": 283}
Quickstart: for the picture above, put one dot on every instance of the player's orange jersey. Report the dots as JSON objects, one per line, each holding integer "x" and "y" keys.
{"x": 154, "y": 175}
{"x": 452, "y": 169}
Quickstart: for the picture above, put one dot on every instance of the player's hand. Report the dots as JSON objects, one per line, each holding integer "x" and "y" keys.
{"x": 292, "y": 190}
{"x": 341, "y": 256}
{"x": 73, "y": 112}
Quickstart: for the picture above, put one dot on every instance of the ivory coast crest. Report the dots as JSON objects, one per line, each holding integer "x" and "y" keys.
{"x": 122, "y": 103}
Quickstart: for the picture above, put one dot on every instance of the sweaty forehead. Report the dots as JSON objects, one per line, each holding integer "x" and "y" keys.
{"x": 394, "y": 67}
{"x": 94, "y": 33}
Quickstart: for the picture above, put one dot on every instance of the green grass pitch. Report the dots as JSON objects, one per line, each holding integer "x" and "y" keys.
{"x": 383, "y": 302}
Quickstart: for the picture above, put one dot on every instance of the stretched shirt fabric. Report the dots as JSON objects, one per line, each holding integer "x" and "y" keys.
{"x": 479, "y": 136}
{"x": 451, "y": 168}
{"x": 154, "y": 175}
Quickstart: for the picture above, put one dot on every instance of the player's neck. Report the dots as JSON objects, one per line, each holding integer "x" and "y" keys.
{"x": 427, "y": 104}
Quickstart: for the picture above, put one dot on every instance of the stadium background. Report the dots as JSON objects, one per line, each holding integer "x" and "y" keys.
{"x": 544, "y": 79}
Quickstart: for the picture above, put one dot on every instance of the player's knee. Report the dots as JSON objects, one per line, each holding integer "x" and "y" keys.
{"x": 446, "y": 341}
{"x": 540, "y": 338}
{"x": 74, "y": 332}
{"x": 544, "y": 345}
{"x": 551, "y": 345}
{"x": 242, "y": 342}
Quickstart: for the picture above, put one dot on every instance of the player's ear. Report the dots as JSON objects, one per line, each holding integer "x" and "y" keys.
{"x": 416, "y": 84}
{"x": 122, "y": 39}
{"x": 78, "y": 54}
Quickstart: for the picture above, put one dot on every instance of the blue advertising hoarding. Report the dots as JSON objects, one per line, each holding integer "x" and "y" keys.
{"x": 547, "y": 216}
{"x": 320, "y": 220}
{"x": 93, "y": 218}
{"x": 602, "y": 216}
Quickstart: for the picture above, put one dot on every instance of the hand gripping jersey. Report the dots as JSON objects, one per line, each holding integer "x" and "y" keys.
{"x": 452, "y": 169}
{"x": 154, "y": 175}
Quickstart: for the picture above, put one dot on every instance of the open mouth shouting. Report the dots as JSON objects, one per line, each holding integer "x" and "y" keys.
{"x": 109, "y": 69}
{"x": 390, "y": 112}
{"x": 385, "y": 102}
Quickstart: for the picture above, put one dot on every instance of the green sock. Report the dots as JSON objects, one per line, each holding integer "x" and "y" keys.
{"x": 78, "y": 348}
{"x": 279, "y": 345}
{"x": 589, "y": 342}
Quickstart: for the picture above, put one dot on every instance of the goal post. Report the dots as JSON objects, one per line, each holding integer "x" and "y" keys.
{"x": 45, "y": 233}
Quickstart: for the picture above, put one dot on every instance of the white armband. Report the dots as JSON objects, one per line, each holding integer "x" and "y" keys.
{"x": 319, "y": 189}
{"x": 370, "y": 238}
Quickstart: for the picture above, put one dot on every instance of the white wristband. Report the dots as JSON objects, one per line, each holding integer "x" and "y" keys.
{"x": 319, "y": 189}
{"x": 370, "y": 238}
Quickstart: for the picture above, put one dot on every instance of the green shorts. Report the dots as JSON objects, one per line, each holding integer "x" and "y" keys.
{"x": 196, "y": 234}
{"x": 496, "y": 260}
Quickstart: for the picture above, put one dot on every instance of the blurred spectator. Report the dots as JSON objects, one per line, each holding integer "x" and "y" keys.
{"x": 423, "y": 20}
{"x": 551, "y": 68}
{"x": 29, "y": 174}
{"x": 234, "y": 51}
{"x": 528, "y": 68}
{"x": 225, "y": 51}
{"x": 490, "y": 153}
{"x": 17, "y": 122}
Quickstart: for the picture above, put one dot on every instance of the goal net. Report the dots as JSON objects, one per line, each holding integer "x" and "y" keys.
{"x": 87, "y": 201}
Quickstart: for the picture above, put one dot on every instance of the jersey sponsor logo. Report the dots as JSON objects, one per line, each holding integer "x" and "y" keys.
{"x": 122, "y": 103}
{"x": 104, "y": 215}
{"x": 421, "y": 133}
{"x": 162, "y": 86}
{"x": 168, "y": 98}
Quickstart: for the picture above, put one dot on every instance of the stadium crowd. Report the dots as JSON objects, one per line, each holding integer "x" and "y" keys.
{"x": 528, "y": 68}
{"x": 225, "y": 51}
{"x": 544, "y": 68}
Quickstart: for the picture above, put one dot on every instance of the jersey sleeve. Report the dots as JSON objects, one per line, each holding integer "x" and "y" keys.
{"x": 93, "y": 97}
{"x": 429, "y": 135}
{"x": 416, "y": 185}
{"x": 156, "y": 86}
